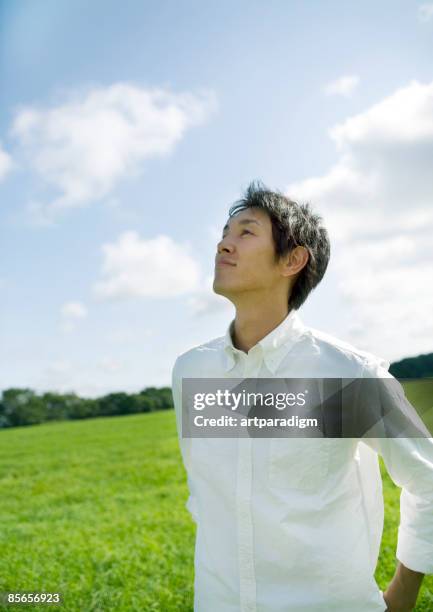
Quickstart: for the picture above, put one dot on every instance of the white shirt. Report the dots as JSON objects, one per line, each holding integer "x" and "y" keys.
{"x": 290, "y": 523}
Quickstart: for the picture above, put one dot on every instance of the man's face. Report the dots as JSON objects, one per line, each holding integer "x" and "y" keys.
{"x": 247, "y": 247}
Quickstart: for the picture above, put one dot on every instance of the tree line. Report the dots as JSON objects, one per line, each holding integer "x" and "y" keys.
{"x": 413, "y": 367}
{"x": 25, "y": 407}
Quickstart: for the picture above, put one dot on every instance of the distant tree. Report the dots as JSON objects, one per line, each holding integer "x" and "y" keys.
{"x": 114, "y": 403}
{"x": 139, "y": 404}
{"x": 77, "y": 406}
{"x": 22, "y": 407}
{"x": 25, "y": 407}
{"x": 144, "y": 403}
{"x": 85, "y": 408}
{"x": 56, "y": 406}
{"x": 159, "y": 399}
{"x": 4, "y": 418}
{"x": 413, "y": 367}
{"x": 167, "y": 397}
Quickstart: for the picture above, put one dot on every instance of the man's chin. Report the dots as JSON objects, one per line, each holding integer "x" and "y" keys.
{"x": 220, "y": 289}
{"x": 217, "y": 289}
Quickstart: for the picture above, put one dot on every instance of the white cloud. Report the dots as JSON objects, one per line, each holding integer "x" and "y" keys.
{"x": 86, "y": 146}
{"x": 403, "y": 118}
{"x": 92, "y": 379}
{"x": 5, "y": 163}
{"x": 157, "y": 267}
{"x": 425, "y": 12}
{"x": 129, "y": 336}
{"x": 60, "y": 366}
{"x": 109, "y": 364}
{"x": 377, "y": 202}
{"x": 71, "y": 312}
{"x": 344, "y": 86}
{"x": 74, "y": 310}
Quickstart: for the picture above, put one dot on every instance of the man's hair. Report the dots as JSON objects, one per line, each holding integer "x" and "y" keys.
{"x": 293, "y": 225}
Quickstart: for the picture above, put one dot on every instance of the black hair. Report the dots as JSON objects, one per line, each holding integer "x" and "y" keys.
{"x": 293, "y": 225}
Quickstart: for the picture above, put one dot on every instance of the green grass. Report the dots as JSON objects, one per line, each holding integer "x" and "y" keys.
{"x": 95, "y": 510}
{"x": 387, "y": 562}
{"x": 420, "y": 394}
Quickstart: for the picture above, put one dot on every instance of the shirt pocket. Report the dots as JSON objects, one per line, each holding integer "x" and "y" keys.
{"x": 298, "y": 463}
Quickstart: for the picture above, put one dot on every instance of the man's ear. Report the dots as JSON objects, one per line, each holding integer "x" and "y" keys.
{"x": 294, "y": 261}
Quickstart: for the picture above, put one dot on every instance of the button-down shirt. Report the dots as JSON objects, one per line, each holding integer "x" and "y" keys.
{"x": 291, "y": 523}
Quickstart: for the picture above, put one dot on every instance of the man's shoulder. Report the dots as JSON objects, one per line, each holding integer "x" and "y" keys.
{"x": 199, "y": 357}
{"x": 335, "y": 349}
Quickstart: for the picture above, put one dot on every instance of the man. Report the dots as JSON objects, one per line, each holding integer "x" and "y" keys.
{"x": 282, "y": 523}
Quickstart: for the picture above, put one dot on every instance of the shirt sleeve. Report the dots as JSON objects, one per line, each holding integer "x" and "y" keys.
{"x": 409, "y": 461}
{"x": 184, "y": 443}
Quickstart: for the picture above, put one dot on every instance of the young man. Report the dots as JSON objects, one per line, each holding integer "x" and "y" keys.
{"x": 284, "y": 523}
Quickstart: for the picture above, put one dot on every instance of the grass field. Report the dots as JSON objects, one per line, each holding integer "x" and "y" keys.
{"x": 420, "y": 395}
{"x": 95, "y": 510}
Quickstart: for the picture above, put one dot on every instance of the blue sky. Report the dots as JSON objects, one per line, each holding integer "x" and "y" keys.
{"x": 127, "y": 131}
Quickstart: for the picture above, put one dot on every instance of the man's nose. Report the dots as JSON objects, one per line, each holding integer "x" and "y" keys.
{"x": 224, "y": 246}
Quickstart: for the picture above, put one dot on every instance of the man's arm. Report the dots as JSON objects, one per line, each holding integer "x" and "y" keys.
{"x": 184, "y": 443}
{"x": 409, "y": 462}
{"x": 402, "y": 591}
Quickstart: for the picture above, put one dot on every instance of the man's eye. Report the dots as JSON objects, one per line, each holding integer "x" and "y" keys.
{"x": 245, "y": 231}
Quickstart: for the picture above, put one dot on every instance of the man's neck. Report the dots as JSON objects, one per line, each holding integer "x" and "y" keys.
{"x": 253, "y": 324}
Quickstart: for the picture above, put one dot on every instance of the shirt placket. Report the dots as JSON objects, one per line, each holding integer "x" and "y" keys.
{"x": 244, "y": 489}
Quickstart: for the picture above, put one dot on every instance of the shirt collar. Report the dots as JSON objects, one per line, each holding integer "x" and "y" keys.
{"x": 274, "y": 346}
